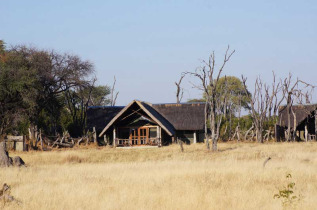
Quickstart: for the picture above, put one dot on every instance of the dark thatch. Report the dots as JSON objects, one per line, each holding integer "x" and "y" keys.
{"x": 135, "y": 110}
{"x": 158, "y": 116}
{"x": 100, "y": 116}
{"x": 171, "y": 117}
{"x": 187, "y": 116}
{"x": 302, "y": 112}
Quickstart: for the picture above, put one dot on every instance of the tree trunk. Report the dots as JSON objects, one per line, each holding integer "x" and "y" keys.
{"x": 230, "y": 124}
{"x": 213, "y": 129}
{"x": 294, "y": 128}
{"x": 206, "y": 126}
{"x": 289, "y": 118}
{"x": 214, "y": 144}
{"x": 248, "y": 131}
{"x": 5, "y": 160}
{"x": 259, "y": 136}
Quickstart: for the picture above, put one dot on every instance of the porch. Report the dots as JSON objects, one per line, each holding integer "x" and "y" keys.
{"x": 137, "y": 136}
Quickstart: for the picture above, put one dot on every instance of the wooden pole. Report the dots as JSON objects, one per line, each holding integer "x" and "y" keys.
{"x": 315, "y": 124}
{"x": 24, "y": 143}
{"x": 114, "y": 138}
{"x": 181, "y": 145}
{"x": 195, "y": 137}
{"x": 105, "y": 139}
{"x": 160, "y": 139}
{"x": 94, "y": 134}
{"x": 158, "y": 134}
{"x": 306, "y": 133}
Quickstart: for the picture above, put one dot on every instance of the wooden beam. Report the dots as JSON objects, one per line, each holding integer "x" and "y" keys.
{"x": 131, "y": 114}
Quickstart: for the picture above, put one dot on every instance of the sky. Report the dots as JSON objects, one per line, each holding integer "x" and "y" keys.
{"x": 147, "y": 45}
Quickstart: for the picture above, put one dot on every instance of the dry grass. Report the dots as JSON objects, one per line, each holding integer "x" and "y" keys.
{"x": 164, "y": 178}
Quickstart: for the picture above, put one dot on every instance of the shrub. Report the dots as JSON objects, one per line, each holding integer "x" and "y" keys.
{"x": 287, "y": 195}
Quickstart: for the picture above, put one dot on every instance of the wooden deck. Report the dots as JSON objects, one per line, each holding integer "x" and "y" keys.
{"x": 137, "y": 142}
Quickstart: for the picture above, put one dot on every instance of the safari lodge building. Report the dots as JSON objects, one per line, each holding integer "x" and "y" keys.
{"x": 141, "y": 123}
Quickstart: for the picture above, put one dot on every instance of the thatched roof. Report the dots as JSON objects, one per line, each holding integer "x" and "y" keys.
{"x": 136, "y": 109}
{"x": 100, "y": 116}
{"x": 171, "y": 117}
{"x": 301, "y": 112}
{"x": 186, "y": 116}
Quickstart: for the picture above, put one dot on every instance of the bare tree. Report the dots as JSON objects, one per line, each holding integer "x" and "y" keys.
{"x": 209, "y": 77}
{"x": 294, "y": 91}
{"x": 179, "y": 90}
{"x": 113, "y": 94}
{"x": 259, "y": 105}
{"x": 274, "y": 99}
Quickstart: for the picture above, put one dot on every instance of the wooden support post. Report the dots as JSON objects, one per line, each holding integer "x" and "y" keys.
{"x": 160, "y": 144}
{"x": 24, "y": 143}
{"x": 94, "y": 133}
{"x": 306, "y": 133}
{"x": 195, "y": 137}
{"x": 158, "y": 134}
{"x": 114, "y": 138}
{"x": 105, "y": 139}
{"x": 315, "y": 124}
{"x": 181, "y": 146}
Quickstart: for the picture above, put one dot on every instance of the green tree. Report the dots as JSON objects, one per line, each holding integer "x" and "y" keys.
{"x": 45, "y": 89}
{"x": 16, "y": 92}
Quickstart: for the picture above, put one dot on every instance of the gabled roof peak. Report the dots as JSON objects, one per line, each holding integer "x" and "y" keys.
{"x": 156, "y": 117}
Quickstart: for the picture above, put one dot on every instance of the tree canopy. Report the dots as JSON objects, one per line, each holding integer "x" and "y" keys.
{"x": 46, "y": 89}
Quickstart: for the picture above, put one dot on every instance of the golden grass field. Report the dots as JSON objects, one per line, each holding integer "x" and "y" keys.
{"x": 164, "y": 178}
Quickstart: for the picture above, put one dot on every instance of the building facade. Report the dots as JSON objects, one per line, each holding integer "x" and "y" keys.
{"x": 141, "y": 123}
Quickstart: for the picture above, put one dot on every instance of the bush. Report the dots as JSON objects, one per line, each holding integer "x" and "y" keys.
{"x": 287, "y": 195}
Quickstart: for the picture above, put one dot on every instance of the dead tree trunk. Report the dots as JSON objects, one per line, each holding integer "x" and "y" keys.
{"x": 236, "y": 133}
{"x": 206, "y": 126}
{"x": 259, "y": 105}
{"x": 179, "y": 90}
{"x": 113, "y": 94}
{"x": 295, "y": 125}
{"x": 248, "y": 131}
{"x": 209, "y": 78}
{"x": 5, "y": 160}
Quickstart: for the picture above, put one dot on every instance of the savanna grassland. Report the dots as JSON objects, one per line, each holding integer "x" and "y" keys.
{"x": 165, "y": 178}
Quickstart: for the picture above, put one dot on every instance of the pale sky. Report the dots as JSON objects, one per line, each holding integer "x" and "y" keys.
{"x": 148, "y": 44}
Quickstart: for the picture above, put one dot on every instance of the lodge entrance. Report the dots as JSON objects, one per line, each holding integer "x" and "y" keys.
{"x": 137, "y": 136}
